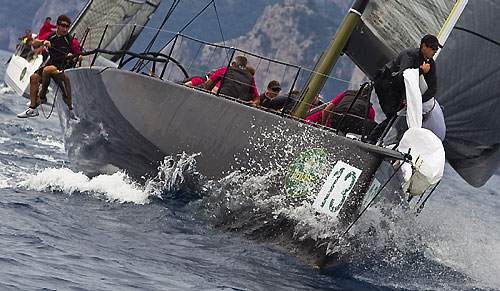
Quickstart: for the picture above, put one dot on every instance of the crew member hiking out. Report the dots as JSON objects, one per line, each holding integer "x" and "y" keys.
{"x": 61, "y": 47}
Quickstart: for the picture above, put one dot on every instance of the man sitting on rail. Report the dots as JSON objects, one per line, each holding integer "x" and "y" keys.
{"x": 237, "y": 82}
{"x": 61, "y": 46}
{"x": 358, "y": 110}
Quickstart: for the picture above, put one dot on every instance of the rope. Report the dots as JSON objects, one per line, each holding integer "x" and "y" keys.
{"x": 145, "y": 66}
{"x": 53, "y": 104}
{"x": 421, "y": 206}
{"x": 371, "y": 201}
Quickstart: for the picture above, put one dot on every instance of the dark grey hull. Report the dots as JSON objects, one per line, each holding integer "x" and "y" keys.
{"x": 134, "y": 114}
{"x": 131, "y": 122}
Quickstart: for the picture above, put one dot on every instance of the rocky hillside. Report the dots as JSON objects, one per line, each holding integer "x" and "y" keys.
{"x": 297, "y": 32}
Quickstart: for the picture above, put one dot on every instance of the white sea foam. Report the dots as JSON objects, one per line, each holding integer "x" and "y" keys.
{"x": 50, "y": 142}
{"x": 3, "y": 182}
{"x": 6, "y": 90}
{"x": 174, "y": 173}
{"x": 116, "y": 187}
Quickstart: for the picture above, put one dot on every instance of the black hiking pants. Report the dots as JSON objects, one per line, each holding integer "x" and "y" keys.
{"x": 390, "y": 97}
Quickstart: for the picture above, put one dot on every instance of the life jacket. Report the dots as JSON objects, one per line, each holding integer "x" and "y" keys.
{"x": 60, "y": 46}
{"x": 237, "y": 83}
{"x": 358, "y": 108}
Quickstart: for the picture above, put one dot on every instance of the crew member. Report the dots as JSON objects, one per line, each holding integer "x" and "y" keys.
{"x": 61, "y": 47}
{"x": 389, "y": 82}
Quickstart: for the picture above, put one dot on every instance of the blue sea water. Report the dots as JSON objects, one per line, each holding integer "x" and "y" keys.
{"x": 61, "y": 230}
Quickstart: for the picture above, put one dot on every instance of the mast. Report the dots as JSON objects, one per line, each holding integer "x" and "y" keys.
{"x": 331, "y": 56}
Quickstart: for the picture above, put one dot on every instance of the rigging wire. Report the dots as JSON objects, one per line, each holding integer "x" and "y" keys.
{"x": 220, "y": 26}
{"x": 196, "y": 16}
{"x": 421, "y": 206}
{"x": 185, "y": 26}
{"x": 304, "y": 69}
{"x": 150, "y": 45}
{"x": 210, "y": 60}
{"x": 167, "y": 16}
{"x": 406, "y": 158}
{"x": 195, "y": 56}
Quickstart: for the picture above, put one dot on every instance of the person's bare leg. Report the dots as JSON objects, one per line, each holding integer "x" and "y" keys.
{"x": 34, "y": 86}
{"x": 67, "y": 85}
{"x": 47, "y": 71}
{"x": 59, "y": 81}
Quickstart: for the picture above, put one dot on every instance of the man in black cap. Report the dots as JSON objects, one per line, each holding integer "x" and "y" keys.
{"x": 389, "y": 82}
{"x": 273, "y": 89}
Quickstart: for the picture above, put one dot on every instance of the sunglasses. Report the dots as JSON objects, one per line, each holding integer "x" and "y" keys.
{"x": 64, "y": 25}
{"x": 276, "y": 89}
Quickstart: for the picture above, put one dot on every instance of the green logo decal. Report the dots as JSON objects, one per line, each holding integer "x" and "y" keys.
{"x": 304, "y": 172}
{"x": 23, "y": 73}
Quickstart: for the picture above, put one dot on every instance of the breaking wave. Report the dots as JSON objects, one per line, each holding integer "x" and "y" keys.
{"x": 116, "y": 187}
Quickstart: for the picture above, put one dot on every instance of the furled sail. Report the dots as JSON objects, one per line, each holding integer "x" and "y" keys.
{"x": 468, "y": 77}
{"x": 119, "y": 15}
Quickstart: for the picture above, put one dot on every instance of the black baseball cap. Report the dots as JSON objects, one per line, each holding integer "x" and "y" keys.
{"x": 431, "y": 41}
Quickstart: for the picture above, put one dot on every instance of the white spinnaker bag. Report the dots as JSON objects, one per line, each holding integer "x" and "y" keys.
{"x": 428, "y": 158}
{"x": 426, "y": 148}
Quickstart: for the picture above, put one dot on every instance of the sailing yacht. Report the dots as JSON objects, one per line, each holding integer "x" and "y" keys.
{"x": 19, "y": 70}
{"x": 131, "y": 119}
